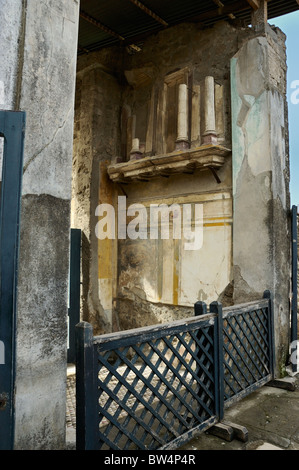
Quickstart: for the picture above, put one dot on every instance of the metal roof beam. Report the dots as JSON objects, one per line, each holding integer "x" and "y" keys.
{"x": 83, "y": 49}
{"x": 233, "y": 8}
{"x": 99, "y": 25}
{"x": 255, "y": 4}
{"x": 221, "y": 5}
{"x": 149, "y": 12}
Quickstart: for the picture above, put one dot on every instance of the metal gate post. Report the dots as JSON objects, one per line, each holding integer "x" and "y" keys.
{"x": 200, "y": 308}
{"x": 12, "y": 128}
{"x": 74, "y": 291}
{"x": 216, "y": 307}
{"x": 268, "y": 295}
{"x": 86, "y": 405}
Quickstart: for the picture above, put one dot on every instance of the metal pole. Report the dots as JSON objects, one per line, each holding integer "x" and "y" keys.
{"x": 271, "y": 332}
{"x": 12, "y": 128}
{"x": 216, "y": 307}
{"x": 86, "y": 407}
{"x": 74, "y": 291}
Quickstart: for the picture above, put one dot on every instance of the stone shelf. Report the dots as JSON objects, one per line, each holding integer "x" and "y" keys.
{"x": 186, "y": 161}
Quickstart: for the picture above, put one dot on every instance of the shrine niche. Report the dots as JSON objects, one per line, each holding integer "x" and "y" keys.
{"x": 156, "y": 127}
{"x": 179, "y": 129}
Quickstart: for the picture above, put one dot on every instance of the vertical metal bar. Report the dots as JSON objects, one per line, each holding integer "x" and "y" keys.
{"x": 12, "y": 128}
{"x": 86, "y": 406}
{"x": 216, "y": 307}
{"x": 268, "y": 295}
{"x": 74, "y": 291}
{"x": 294, "y": 321}
{"x": 200, "y": 308}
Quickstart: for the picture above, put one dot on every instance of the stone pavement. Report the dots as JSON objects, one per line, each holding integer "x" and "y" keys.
{"x": 270, "y": 415}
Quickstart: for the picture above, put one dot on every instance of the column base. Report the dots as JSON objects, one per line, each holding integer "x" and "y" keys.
{"x": 210, "y": 138}
{"x": 136, "y": 156}
{"x": 182, "y": 145}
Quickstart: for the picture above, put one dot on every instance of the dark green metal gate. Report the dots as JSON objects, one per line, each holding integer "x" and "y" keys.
{"x": 12, "y": 129}
{"x": 74, "y": 291}
{"x": 156, "y": 387}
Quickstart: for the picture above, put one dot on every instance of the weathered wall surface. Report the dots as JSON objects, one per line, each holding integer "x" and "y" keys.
{"x": 159, "y": 280}
{"x": 10, "y": 36}
{"x": 121, "y": 97}
{"x": 261, "y": 246}
{"x": 37, "y": 75}
{"x": 96, "y": 142}
{"x": 245, "y": 246}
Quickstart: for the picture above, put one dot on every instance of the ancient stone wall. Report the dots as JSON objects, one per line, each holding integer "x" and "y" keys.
{"x": 37, "y": 75}
{"x": 125, "y": 99}
{"x": 180, "y": 107}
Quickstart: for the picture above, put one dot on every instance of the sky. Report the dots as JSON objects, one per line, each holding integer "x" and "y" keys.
{"x": 289, "y": 24}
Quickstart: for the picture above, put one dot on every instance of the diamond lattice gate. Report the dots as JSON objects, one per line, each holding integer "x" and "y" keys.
{"x": 248, "y": 357}
{"x": 156, "y": 387}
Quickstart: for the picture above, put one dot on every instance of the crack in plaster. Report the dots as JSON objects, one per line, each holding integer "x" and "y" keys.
{"x": 31, "y": 159}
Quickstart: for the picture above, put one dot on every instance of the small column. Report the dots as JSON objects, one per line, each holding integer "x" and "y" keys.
{"x": 210, "y": 136}
{"x": 135, "y": 153}
{"x": 195, "y": 121}
{"x": 182, "y": 142}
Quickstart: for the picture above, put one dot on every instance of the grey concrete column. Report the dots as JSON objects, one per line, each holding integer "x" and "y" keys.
{"x": 11, "y": 21}
{"x": 38, "y": 76}
{"x": 261, "y": 243}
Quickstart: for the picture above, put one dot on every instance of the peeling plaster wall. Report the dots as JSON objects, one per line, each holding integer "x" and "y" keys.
{"x": 96, "y": 142}
{"x": 261, "y": 247}
{"x": 245, "y": 226}
{"x": 159, "y": 280}
{"x": 37, "y": 75}
{"x": 138, "y": 282}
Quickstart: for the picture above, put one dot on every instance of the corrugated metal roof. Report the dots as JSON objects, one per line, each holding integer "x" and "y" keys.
{"x": 109, "y": 22}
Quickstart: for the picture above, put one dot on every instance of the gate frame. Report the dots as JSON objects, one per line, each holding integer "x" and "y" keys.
{"x": 12, "y": 128}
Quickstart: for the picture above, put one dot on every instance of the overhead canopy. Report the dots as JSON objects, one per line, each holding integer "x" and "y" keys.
{"x": 109, "y": 22}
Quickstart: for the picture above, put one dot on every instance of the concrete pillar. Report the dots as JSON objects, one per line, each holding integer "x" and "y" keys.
{"x": 261, "y": 240}
{"x": 37, "y": 67}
